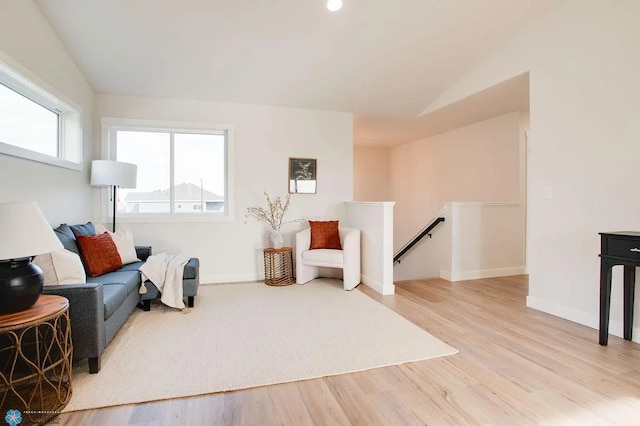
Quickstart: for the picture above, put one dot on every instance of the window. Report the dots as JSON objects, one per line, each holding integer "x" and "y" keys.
{"x": 36, "y": 124}
{"x": 182, "y": 169}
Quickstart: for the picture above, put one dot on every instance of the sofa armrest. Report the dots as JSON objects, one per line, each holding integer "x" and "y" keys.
{"x": 86, "y": 313}
{"x": 143, "y": 252}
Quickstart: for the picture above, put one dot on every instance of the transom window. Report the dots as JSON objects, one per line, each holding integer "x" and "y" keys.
{"x": 182, "y": 170}
{"x": 35, "y": 124}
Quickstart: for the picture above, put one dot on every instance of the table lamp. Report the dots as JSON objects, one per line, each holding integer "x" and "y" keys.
{"x": 114, "y": 174}
{"x": 24, "y": 233}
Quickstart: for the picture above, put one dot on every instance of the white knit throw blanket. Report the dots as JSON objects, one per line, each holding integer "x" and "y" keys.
{"x": 166, "y": 271}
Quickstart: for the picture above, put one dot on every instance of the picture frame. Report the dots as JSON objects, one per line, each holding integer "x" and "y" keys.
{"x": 302, "y": 175}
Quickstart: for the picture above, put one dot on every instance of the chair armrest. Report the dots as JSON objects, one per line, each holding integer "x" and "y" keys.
{"x": 86, "y": 313}
{"x": 303, "y": 242}
{"x": 350, "y": 239}
{"x": 143, "y": 252}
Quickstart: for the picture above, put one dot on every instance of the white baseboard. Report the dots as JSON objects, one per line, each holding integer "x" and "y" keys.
{"x": 229, "y": 278}
{"x": 580, "y": 317}
{"x": 377, "y": 285}
{"x": 483, "y": 273}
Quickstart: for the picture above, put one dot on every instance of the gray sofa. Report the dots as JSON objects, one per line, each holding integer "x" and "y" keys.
{"x": 100, "y": 307}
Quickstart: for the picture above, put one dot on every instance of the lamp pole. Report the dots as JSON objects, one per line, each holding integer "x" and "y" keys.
{"x": 114, "y": 208}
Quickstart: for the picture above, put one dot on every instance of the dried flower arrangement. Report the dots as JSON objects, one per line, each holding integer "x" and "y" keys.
{"x": 273, "y": 215}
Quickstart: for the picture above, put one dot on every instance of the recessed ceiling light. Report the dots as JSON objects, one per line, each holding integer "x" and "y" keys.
{"x": 334, "y": 5}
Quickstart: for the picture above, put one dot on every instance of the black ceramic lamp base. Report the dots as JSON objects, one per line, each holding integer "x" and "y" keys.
{"x": 20, "y": 285}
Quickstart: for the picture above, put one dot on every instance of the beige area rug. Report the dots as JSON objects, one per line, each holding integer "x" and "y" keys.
{"x": 245, "y": 335}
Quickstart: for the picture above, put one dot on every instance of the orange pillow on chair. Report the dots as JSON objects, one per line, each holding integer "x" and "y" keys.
{"x": 99, "y": 254}
{"x": 324, "y": 235}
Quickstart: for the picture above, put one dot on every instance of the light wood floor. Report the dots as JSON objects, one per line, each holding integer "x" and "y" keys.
{"x": 515, "y": 366}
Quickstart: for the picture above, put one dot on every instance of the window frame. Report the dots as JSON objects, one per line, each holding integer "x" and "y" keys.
{"x": 69, "y": 138}
{"x": 108, "y": 144}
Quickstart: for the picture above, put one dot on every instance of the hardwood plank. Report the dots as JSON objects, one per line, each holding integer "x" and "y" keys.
{"x": 515, "y": 366}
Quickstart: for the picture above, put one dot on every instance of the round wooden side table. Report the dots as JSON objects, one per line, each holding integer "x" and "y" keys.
{"x": 35, "y": 360}
{"x": 278, "y": 266}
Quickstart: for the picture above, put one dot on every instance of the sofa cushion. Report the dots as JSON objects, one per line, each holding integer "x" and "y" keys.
{"x": 83, "y": 229}
{"x": 131, "y": 266}
{"x": 324, "y": 235}
{"x": 324, "y": 257}
{"x": 130, "y": 279}
{"x": 114, "y": 295}
{"x": 67, "y": 238}
{"x": 99, "y": 254}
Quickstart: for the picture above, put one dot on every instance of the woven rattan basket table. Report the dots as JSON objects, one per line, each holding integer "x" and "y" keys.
{"x": 278, "y": 266}
{"x": 35, "y": 361}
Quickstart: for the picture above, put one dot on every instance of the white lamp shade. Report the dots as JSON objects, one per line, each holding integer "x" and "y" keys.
{"x": 25, "y": 232}
{"x": 110, "y": 173}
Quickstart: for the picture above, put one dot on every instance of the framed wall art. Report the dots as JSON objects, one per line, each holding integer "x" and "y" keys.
{"x": 302, "y": 175}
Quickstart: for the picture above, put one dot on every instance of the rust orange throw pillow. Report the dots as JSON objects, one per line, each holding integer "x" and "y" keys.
{"x": 99, "y": 254}
{"x": 325, "y": 235}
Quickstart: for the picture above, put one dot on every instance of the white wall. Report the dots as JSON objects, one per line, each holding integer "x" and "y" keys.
{"x": 371, "y": 176}
{"x": 487, "y": 240}
{"x": 480, "y": 162}
{"x": 30, "y": 46}
{"x": 265, "y": 138}
{"x": 583, "y": 64}
{"x": 375, "y": 221}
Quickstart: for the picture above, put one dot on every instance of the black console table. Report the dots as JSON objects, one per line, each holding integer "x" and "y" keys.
{"x": 618, "y": 248}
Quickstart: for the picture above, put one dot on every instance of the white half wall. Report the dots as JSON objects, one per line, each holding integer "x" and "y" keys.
{"x": 32, "y": 48}
{"x": 375, "y": 221}
{"x": 583, "y": 64}
{"x": 265, "y": 138}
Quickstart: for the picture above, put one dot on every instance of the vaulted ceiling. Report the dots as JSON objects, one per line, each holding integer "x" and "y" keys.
{"x": 384, "y": 61}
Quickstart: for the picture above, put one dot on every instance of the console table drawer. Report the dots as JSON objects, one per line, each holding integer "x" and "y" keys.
{"x": 620, "y": 247}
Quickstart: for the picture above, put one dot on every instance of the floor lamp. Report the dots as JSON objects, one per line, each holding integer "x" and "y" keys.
{"x": 113, "y": 174}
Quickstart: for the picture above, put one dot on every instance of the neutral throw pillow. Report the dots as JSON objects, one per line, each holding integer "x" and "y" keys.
{"x": 123, "y": 238}
{"x": 99, "y": 254}
{"x": 324, "y": 235}
{"x": 61, "y": 267}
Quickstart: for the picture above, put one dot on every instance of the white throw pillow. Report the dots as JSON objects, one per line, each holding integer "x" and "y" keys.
{"x": 123, "y": 238}
{"x": 61, "y": 267}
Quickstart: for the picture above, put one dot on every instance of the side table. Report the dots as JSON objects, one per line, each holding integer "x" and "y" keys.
{"x": 278, "y": 266}
{"x": 35, "y": 360}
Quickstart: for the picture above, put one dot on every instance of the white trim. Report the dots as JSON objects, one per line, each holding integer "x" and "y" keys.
{"x": 30, "y": 86}
{"x": 445, "y": 275}
{"x": 483, "y": 203}
{"x": 27, "y": 154}
{"x": 152, "y": 125}
{"x": 231, "y": 278}
{"x": 371, "y": 203}
{"x": 483, "y": 273}
{"x": 588, "y": 319}
{"x": 110, "y": 124}
{"x": 377, "y": 285}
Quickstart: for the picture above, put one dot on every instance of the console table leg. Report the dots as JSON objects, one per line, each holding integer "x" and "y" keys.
{"x": 605, "y": 300}
{"x": 629, "y": 292}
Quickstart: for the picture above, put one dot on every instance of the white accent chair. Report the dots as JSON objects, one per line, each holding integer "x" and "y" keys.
{"x": 309, "y": 262}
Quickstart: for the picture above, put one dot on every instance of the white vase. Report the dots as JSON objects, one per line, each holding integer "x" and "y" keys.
{"x": 277, "y": 241}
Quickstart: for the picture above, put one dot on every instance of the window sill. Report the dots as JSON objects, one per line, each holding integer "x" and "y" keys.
{"x": 174, "y": 218}
{"x": 15, "y": 151}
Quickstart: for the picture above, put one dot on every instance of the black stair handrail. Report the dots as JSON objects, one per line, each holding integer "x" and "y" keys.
{"x": 417, "y": 238}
